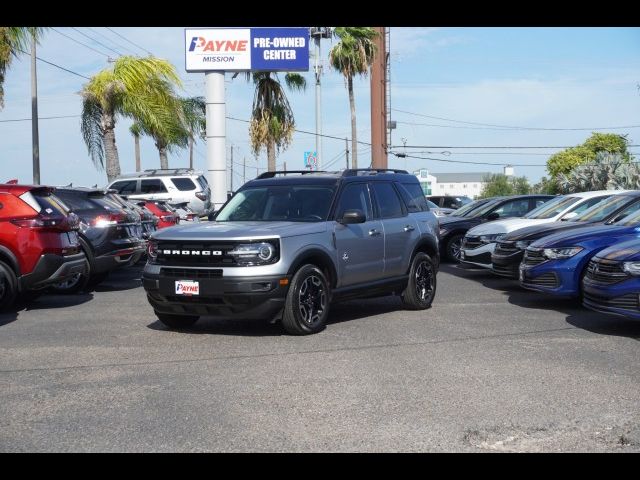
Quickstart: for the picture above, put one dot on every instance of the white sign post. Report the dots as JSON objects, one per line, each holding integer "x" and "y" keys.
{"x": 216, "y": 137}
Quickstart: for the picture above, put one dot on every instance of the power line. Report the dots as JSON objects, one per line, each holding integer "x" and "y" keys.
{"x": 515, "y": 129}
{"x": 39, "y": 118}
{"x": 506, "y": 127}
{"x": 80, "y": 43}
{"x": 55, "y": 65}
{"x": 98, "y": 42}
{"x": 109, "y": 40}
{"x": 495, "y": 147}
{"x": 132, "y": 43}
{"x": 404, "y": 155}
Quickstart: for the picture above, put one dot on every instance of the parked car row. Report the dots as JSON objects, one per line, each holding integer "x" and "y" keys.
{"x": 584, "y": 246}
{"x": 67, "y": 238}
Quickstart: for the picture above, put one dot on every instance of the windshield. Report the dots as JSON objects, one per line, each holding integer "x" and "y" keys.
{"x": 292, "y": 203}
{"x": 630, "y": 220}
{"x": 552, "y": 208}
{"x": 602, "y": 210}
{"x": 478, "y": 212}
{"x": 463, "y": 211}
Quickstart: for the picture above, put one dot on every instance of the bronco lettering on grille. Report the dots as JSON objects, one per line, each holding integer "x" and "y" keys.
{"x": 192, "y": 252}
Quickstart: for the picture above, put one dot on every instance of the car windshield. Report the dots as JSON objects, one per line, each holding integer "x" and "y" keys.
{"x": 602, "y": 210}
{"x": 631, "y": 220}
{"x": 463, "y": 211}
{"x": 292, "y": 203}
{"x": 552, "y": 208}
{"x": 478, "y": 212}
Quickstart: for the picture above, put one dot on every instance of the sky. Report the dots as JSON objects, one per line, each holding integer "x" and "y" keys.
{"x": 574, "y": 79}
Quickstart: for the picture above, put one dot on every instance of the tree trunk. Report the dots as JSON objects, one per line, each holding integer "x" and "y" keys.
{"x": 191, "y": 152}
{"x": 136, "y": 139}
{"x": 271, "y": 156}
{"x": 354, "y": 135}
{"x": 110, "y": 149}
{"x": 164, "y": 160}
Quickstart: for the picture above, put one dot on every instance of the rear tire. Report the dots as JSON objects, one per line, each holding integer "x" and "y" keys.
{"x": 421, "y": 289}
{"x": 454, "y": 245}
{"x": 306, "y": 307}
{"x": 8, "y": 286}
{"x": 74, "y": 284}
{"x": 177, "y": 322}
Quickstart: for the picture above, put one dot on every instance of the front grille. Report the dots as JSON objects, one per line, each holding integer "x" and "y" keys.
{"x": 505, "y": 270}
{"x": 175, "y": 259}
{"x": 628, "y": 301}
{"x": 189, "y": 273}
{"x": 605, "y": 272}
{"x": 506, "y": 248}
{"x": 471, "y": 242}
{"x": 548, "y": 280}
{"x": 533, "y": 257}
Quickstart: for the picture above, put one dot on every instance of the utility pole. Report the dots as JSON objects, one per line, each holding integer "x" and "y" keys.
{"x": 378, "y": 102}
{"x": 231, "y": 179}
{"x": 319, "y": 33}
{"x": 244, "y": 170}
{"x": 35, "y": 138}
{"x": 346, "y": 149}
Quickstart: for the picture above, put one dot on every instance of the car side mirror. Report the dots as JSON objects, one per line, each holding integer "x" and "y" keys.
{"x": 212, "y": 216}
{"x": 570, "y": 215}
{"x": 352, "y": 216}
{"x": 493, "y": 216}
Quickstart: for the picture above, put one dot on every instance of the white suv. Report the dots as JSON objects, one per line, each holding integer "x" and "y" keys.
{"x": 176, "y": 185}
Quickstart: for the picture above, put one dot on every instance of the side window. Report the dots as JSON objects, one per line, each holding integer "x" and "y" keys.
{"x": 184, "y": 184}
{"x": 413, "y": 197}
{"x": 588, "y": 204}
{"x": 514, "y": 208}
{"x": 387, "y": 200}
{"x": 152, "y": 186}
{"x": 538, "y": 201}
{"x": 627, "y": 211}
{"x": 355, "y": 197}
{"x": 125, "y": 187}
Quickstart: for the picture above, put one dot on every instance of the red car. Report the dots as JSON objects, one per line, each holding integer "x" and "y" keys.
{"x": 38, "y": 241}
{"x": 167, "y": 216}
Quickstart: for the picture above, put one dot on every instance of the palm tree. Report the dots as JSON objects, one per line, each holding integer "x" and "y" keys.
{"x": 353, "y": 55}
{"x": 14, "y": 41}
{"x": 136, "y": 131}
{"x": 272, "y": 123}
{"x": 194, "y": 116}
{"x": 138, "y": 88}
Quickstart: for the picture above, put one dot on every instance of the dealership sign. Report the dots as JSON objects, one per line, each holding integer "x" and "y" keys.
{"x": 246, "y": 49}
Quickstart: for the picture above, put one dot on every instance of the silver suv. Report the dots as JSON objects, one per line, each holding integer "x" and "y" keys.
{"x": 287, "y": 246}
{"x": 175, "y": 185}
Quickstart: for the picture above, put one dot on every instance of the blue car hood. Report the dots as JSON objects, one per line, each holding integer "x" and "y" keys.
{"x": 623, "y": 251}
{"x": 573, "y": 237}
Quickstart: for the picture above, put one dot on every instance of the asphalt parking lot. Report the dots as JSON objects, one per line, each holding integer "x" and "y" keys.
{"x": 489, "y": 368}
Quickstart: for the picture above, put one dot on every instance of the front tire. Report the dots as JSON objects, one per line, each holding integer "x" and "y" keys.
{"x": 307, "y": 304}
{"x": 421, "y": 289}
{"x": 454, "y": 245}
{"x": 8, "y": 286}
{"x": 177, "y": 322}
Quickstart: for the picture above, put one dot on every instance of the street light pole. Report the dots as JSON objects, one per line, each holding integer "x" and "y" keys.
{"x": 318, "y": 33}
{"x": 35, "y": 137}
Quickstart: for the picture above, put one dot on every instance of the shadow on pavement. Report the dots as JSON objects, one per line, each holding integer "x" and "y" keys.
{"x": 8, "y": 317}
{"x": 604, "y": 324}
{"x": 57, "y": 301}
{"x": 126, "y": 278}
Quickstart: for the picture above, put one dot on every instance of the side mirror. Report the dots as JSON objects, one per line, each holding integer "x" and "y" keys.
{"x": 493, "y": 216}
{"x": 352, "y": 216}
{"x": 212, "y": 216}
{"x": 570, "y": 215}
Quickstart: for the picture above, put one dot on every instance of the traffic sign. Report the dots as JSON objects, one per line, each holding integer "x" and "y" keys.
{"x": 311, "y": 160}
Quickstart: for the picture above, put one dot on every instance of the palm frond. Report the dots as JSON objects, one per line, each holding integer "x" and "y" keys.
{"x": 92, "y": 132}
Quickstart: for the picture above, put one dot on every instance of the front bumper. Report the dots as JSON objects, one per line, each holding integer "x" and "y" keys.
{"x": 52, "y": 269}
{"x": 620, "y": 299}
{"x": 557, "y": 277}
{"x": 479, "y": 257}
{"x": 260, "y": 297}
{"x": 507, "y": 265}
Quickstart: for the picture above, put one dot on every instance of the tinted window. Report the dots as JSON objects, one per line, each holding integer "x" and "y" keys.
{"x": 387, "y": 200}
{"x": 413, "y": 197}
{"x": 184, "y": 184}
{"x": 603, "y": 209}
{"x": 152, "y": 186}
{"x": 552, "y": 208}
{"x": 355, "y": 197}
{"x": 125, "y": 187}
{"x": 630, "y": 210}
{"x": 513, "y": 208}
{"x": 49, "y": 204}
{"x": 588, "y": 204}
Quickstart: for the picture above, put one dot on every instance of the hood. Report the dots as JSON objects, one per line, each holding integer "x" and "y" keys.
{"x": 573, "y": 237}
{"x": 451, "y": 222}
{"x": 505, "y": 226}
{"x": 238, "y": 230}
{"x": 623, "y": 251}
{"x": 535, "y": 232}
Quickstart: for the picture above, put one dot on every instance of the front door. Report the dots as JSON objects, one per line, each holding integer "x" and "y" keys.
{"x": 360, "y": 246}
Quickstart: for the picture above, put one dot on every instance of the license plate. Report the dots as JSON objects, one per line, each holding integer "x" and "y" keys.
{"x": 187, "y": 287}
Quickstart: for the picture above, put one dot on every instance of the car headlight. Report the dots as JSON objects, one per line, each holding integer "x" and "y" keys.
{"x": 560, "y": 253}
{"x": 494, "y": 237}
{"x": 254, "y": 253}
{"x": 443, "y": 231}
{"x": 632, "y": 268}
{"x": 152, "y": 250}
{"x": 523, "y": 244}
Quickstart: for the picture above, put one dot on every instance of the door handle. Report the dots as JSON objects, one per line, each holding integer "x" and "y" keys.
{"x": 409, "y": 228}
{"x": 373, "y": 232}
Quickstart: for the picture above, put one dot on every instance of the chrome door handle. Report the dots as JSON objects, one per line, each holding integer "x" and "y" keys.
{"x": 409, "y": 228}
{"x": 373, "y": 232}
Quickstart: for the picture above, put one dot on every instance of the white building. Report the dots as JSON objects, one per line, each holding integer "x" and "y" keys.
{"x": 469, "y": 184}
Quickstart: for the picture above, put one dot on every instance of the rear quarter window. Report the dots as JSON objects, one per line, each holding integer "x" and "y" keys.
{"x": 413, "y": 197}
{"x": 77, "y": 201}
{"x": 184, "y": 184}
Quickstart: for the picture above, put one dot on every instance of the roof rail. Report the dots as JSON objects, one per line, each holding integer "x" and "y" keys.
{"x": 285, "y": 172}
{"x": 350, "y": 172}
{"x": 152, "y": 172}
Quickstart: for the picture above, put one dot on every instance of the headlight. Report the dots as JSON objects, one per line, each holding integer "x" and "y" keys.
{"x": 494, "y": 237}
{"x": 560, "y": 253}
{"x": 152, "y": 250}
{"x": 254, "y": 253}
{"x": 523, "y": 244}
{"x": 443, "y": 231}
{"x": 632, "y": 268}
